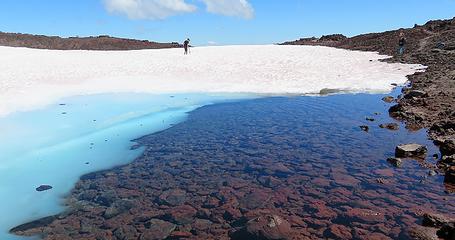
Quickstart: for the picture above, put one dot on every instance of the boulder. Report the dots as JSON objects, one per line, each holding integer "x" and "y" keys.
{"x": 448, "y": 147}
{"x": 435, "y": 220}
{"x": 411, "y": 150}
{"x": 173, "y": 197}
{"x": 266, "y": 227}
{"x": 156, "y": 229}
{"x": 447, "y": 231}
{"x": 450, "y": 175}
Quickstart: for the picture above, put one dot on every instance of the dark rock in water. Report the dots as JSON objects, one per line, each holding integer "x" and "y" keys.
{"x": 35, "y": 224}
{"x": 156, "y": 229}
{"x": 447, "y": 231}
{"x": 174, "y": 197}
{"x": 267, "y": 227}
{"x": 370, "y": 119}
{"x": 388, "y": 99}
{"x": 450, "y": 160}
{"x": 365, "y": 128}
{"x": 390, "y": 126}
{"x": 422, "y": 233}
{"x": 394, "y": 84}
{"x": 118, "y": 208}
{"x": 181, "y": 215}
{"x": 450, "y": 175}
{"x": 411, "y": 150}
{"x": 448, "y": 147}
{"x": 435, "y": 220}
{"x": 395, "y": 161}
{"x": 43, "y": 188}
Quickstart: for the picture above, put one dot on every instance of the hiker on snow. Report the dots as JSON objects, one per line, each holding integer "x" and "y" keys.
{"x": 186, "y": 44}
{"x": 401, "y": 44}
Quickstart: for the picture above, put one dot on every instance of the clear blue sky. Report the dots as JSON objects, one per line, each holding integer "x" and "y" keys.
{"x": 220, "y": 21}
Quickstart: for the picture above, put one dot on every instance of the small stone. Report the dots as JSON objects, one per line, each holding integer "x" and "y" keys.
{"x": 432, "y": 173}
{"x": 365, "y": 128}
{"x": 411, "y": 150}
{"x": 395, "y": 161}
{"x": 43, "y": 188}
{"x": 388, "y": 99}
{"x": 157, "y": 230}
{"x": 268, "y": 227}
{"x": 390, "y": 126}
{"x": 370, "y": 119}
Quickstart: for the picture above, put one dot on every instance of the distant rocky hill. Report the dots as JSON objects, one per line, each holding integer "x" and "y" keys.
{"x": 77, "y": 43}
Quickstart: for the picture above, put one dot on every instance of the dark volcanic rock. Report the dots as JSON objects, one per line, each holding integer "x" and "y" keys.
{"x": 388, "y": 99}
{"x": 410, "y": 150}
{"x": 435, "y": 220}
{"x": 43, "y": 188}
{"x": 156, "y": 229}
{"x": 267, "y": 227}
{"x": 395, "y": 161}
{"x": 173, "y": 197}
{"x": 390, "y": 126}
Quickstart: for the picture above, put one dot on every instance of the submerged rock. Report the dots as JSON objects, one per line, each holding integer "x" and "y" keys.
{"x": 390, "y": 126}
{"x": 435, "y": 220}
{"x": 43, "y": 188}
{"x": 267, "y": 227}
{"x": 365, "y": 128}
{"x": 388, "y": 99}
{"x": 156, "y": 229}
{"x": 395, "y": 161}
{"x": 411, "y": 150}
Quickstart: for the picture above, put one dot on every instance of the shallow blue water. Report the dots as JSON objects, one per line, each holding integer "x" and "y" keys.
{"x": 79, "y": 135}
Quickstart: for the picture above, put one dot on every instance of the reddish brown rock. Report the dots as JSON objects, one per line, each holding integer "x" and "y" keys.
{"x": 339, "y": 232}
{"x": 267, "y": 227}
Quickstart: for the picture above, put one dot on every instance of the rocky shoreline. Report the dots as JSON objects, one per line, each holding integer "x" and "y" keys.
{"x": 428, "y": 101}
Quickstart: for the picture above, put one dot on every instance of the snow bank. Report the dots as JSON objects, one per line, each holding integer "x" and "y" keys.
{"x": 31, "y": 78}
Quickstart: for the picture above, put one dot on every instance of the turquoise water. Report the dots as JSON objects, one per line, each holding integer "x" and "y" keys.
{"x": 58, "y": 144}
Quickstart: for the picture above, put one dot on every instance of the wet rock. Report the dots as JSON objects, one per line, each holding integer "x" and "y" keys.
{"x": 35, "y": 224}
{"x": 106, "y": 199}
{"x": 118, "y": 208}
{"x": 181, "y": 215}
{"x": 397, "y": 162}
{"x": 156, "y": 229}
{"x": 370, "y": 119}
{"x": 448, "y": 147}
{"x": 365, "y": 215}
{"x": 255, "y": 199}
{"x": 450, "y": 175}
{"x": 269, "y": 181}
{"x": 435, "y": 220}
{"x": 450, "y": 160}
{"x": 421, "y": 233}
{"x": 43, "y": 188}
{"x": 410, "y": 150}
{"x": 173, "y": 197}
{"x": 390, "y": 126}
{"x": 365, "y": 128}
{"x": 338, "y": 232}
{"x": 447, "y": 231}
{"x": 388, "y": 99}
{"x": 125, "y": 233}
{"x": 180, "y": 235}
{"x": 267, "y": 227}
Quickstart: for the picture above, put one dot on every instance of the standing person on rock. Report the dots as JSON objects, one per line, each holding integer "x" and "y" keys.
{"x": 186, "y": 45}
{"x": 401, "y": 44}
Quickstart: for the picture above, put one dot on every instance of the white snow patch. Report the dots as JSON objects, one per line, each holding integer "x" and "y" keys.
{"x": 32, "y": 78}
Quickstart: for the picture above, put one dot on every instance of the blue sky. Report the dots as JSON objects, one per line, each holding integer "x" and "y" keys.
{"x": 217, "y": 21}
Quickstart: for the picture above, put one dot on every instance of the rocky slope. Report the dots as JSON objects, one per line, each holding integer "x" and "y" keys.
{"x": 429, "y": 100}
{"x": 76, "y": 43}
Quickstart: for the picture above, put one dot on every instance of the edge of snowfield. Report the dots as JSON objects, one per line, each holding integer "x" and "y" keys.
{"x": 33, "y": 78}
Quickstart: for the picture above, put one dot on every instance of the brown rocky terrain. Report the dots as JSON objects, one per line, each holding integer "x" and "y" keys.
{"x": 429, "y": 100}
{"x": 77, "y": 43}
